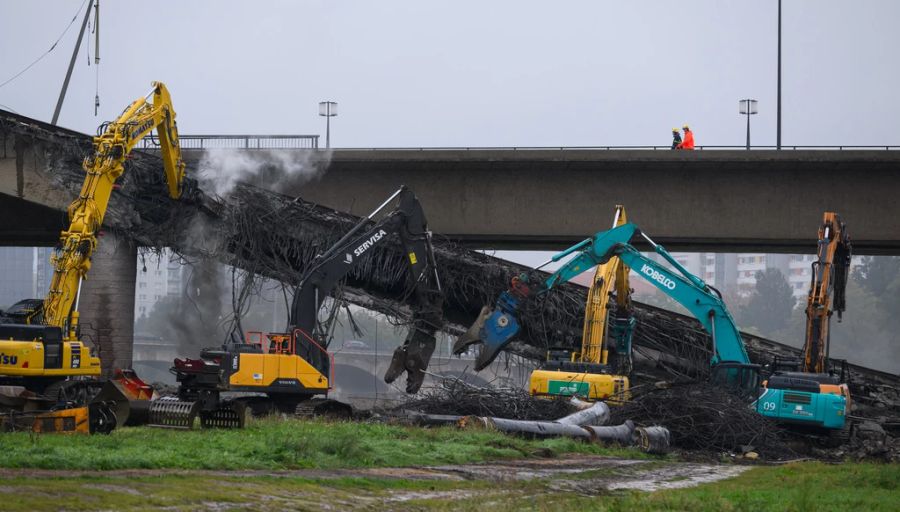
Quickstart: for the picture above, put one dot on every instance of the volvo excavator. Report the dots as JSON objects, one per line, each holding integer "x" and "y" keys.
{"x": 284, "y": 371}
{"x": 588, "y": 373}
{"x": 729, "y": 364}
{"x": 40, "y": 339}
{"x": 813, "y": 393}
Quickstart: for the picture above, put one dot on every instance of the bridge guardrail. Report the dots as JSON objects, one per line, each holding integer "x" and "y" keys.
{"x": 312, "y": 142}
{"x": 239, "y": 142}
{"x": 646, "y": 148}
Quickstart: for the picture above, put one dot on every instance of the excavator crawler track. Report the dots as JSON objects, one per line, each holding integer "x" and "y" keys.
{"x": 323, "y": 408}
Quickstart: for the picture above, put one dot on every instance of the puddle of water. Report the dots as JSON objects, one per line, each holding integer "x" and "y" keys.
{"x": 401, "y": 497}
{"x": 677, "y": 476}
{"x": 530, "y": 470}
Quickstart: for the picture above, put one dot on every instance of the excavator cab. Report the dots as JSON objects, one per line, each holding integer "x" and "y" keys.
{"x": 741, "y": 379}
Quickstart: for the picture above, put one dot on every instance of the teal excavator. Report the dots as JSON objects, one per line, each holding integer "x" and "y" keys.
{"x": 495, "y": 328}
{"x": 729, "y": 363}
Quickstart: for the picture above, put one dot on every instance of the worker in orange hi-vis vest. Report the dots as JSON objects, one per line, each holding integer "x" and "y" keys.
{"x": 688, "y": 142}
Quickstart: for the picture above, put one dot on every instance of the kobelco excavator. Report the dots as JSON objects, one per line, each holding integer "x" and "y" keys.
{"x": 40, "y": 340}
{"x": 588, "y": 373}
{"x": 290, "y": 368}
{"x": 729, "y": 364}
{"x": 813, "y": 393}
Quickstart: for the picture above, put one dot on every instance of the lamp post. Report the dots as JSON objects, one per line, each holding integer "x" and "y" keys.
{"x": 778, "y": 106}
{"x": 328, "y": 109}
{"x": 748, "y": 108}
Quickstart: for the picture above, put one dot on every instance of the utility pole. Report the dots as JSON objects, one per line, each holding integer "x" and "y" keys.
{"x": 778, "y": 107}
{"x": 62, "y": 93}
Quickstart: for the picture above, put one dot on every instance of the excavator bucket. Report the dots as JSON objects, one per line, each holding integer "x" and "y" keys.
{"x": 131, "y": 385}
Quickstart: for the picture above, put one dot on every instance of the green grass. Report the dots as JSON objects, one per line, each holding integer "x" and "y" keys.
{"x": 278, "y": 444}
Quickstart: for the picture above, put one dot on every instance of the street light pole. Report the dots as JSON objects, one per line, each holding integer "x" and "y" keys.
{"x": 748, "y": 107}
{"x": 778, "y": 106}
{"x": 328, "y": 109}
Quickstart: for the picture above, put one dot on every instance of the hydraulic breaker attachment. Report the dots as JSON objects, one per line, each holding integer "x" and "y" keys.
{"x": 493, "y": 329}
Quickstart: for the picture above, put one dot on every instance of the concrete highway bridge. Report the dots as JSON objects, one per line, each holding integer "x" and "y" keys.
{"x": 716, "y": 199}
{"x": 712, "y": 200}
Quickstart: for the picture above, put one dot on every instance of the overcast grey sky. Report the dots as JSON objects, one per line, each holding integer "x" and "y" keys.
{"x": 475, "y": 73}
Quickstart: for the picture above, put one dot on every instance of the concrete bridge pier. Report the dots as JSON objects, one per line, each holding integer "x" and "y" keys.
{"x": 107, "y": 302}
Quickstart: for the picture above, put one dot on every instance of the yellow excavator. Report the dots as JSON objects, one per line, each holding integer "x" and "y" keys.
{"x": 41, "y": 349}
{"x": 587, "y": 373}
{"x": 285, "y": 371}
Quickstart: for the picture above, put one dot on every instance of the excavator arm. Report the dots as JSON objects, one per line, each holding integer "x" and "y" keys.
{"x": 826, "y": 290}
{"x": 408, "y": 221}
{"x": 598, "y": 333}
{"x": 498, "y": 328}
{"x": 72, "y": 259}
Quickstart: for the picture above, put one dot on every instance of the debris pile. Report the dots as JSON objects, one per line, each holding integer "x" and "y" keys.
{"x": 457, "y": 398}
{"x": 705, "y": 418}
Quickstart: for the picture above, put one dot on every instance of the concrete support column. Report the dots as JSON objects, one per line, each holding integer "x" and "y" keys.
{"x": 107, "y": 302}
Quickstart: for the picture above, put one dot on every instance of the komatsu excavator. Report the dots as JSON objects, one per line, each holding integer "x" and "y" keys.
{"x": 40, "y": 340}
{"x": 814, "y": 394}
{"x": 588, "y": 372}
{"x": 290, "y": 368}
{"x": 729, "y": 364}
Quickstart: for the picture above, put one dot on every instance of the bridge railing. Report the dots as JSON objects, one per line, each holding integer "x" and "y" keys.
{"x": 646, "y": 148}
{"x": 312, "y": 142}
{"x": 239, "y": 142}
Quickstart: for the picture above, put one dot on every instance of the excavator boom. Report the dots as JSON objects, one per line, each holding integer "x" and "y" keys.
{"x": 501, "y": 325}
{"x": 826, "y": 290}
{"x": 72, "y": 259}
{"x": 587, "y": 373}
{"x": 40, "y": 339}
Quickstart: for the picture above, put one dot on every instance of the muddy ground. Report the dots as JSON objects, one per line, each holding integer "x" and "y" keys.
{"x": 462, "y": 486}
